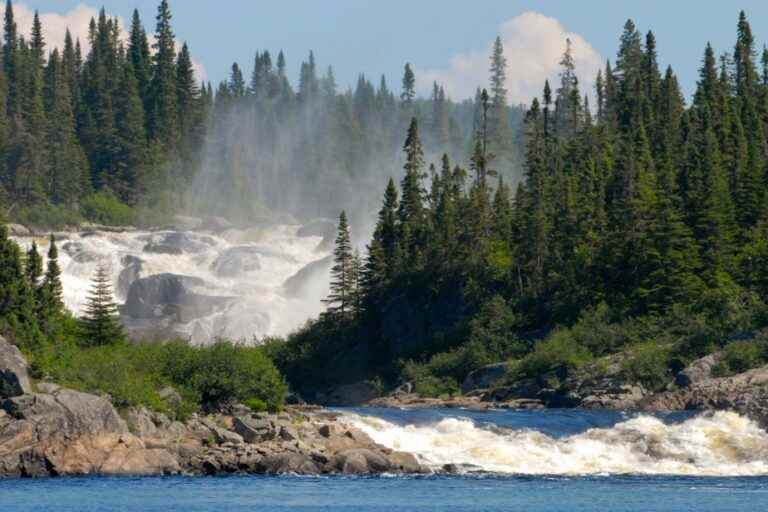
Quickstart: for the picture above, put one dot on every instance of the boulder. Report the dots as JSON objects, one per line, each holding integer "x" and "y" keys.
{"x": 171, "y": 397}
{"x": 236, "y": 261}
{"x": 131, "y": 271}
{"x": 166, "y": 294}
{"x": 357, "y": 393}
{"x": 78, "y": 252}
{"x": 302, "y": 281}
{"x": 19, "y": 230}
{"x": 361, "y": 461}
{"x": 289, "y": 463}
{"x": 486, "y": 377}
{"x": 698, "y": 371}
{"x": 254, "y": 430}
{"x": 14, "y": 377}
{"x": 225, "y": 436}
{"x": 178, "y": 242}
{"x": 140, "y": 423}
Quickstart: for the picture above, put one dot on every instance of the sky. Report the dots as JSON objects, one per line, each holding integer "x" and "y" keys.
{"x": 447, "y": 41}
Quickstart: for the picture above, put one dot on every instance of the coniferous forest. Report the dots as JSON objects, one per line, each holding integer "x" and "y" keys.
{"x": 640, "y": 226}
{"x": 119, "y": 131}
{"x": 549, "y": 236}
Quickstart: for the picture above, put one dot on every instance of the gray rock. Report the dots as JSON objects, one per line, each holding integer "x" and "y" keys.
{"x": 225, "y": 436}
{"x": 14, "y": 377}
{"x": 357, "y": 393}
{"x": 78, "y": 252}
{"x": 66, "y": 412}
{"x": 237, "y": 261}
{"x": 302, "y": 281}
{"x": 171, "y": 397}
{"x": 361, "y": 461}
{"x": 285, "y": 463}
{"x": 18, "y": 230}
{"x": 48, "y": 387}
{"x": 254, "y": 430}
{"x": 698, "y": 371}
{"x": 164, "y": 295}
{"x": 485, "y": 377}
{"x": 131, "y": 271}
{"x": 140, "y": 422}
{"x": 178, "y": 242}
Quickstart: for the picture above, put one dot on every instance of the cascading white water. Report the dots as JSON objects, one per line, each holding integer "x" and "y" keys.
{"x": 718, "y": 444}
{"x": 257, "y": 304}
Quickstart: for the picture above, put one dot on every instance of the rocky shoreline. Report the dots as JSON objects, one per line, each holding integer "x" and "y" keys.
{"x": 59, "y": 432}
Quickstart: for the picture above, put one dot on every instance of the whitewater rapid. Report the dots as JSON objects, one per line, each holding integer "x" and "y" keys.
{"x": 255, "y": 301}
{"x": 717, "y": 444}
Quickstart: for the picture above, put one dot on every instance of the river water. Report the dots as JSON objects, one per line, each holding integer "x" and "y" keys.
{"x": 554, "y": 460}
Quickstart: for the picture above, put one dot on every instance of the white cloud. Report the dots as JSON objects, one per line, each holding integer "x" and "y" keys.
{"x": 533, "y": 45}
{"x": 77, "y": 20}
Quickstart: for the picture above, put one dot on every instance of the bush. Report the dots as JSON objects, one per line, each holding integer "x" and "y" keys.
{"x": 426, "y": 383}
{"x": 47, "y": 216}
{"x": 648, "y": 364}
{"x": 225, "y": 372}
{"x": 104, "y": 208}
{"x": 558, "y": 351}
{"x": 739, "y": 357}
{"x": 132, "y": 373}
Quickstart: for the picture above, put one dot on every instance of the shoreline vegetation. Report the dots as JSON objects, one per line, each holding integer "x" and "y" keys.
{"x": 628, "y": 269}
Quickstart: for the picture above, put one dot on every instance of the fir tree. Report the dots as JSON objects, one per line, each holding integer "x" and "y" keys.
{"x": 344, "y": 275}
{"x": 101, "y": 324}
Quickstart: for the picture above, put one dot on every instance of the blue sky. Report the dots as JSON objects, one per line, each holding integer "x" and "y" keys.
{"x": 447, "y": 40}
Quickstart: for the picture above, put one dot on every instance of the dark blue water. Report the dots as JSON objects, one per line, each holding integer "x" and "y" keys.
{"x": 425, "y": 493}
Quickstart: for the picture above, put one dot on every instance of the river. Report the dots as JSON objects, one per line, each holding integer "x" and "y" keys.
{"x": 548, "y": 460}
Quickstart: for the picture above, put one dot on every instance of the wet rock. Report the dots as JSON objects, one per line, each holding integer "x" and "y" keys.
{"x": 302, "y": 281}
{"x": 177, "y": 242}
{"x": 361, "y": 461}
{"x": 14, "y": 376}
{"x": 485, "y": 377}
{"x": 237, "y": 261}
{"x": 169, "y": 295}
{"x": 78, "y": 252}
{"x": 289, "y": 463}
{"x": 130, "y": 272}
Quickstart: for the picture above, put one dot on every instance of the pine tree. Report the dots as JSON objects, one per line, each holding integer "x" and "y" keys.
{"x": 33, "y": 266}
{"x": 344, "y": 274}
{"x": 101, "y": 324}
{"x": 163, "y": 110}
{"x": 409, "y": 87}
{"x": 499, "y": 134}
{"x": 52, "y": 292}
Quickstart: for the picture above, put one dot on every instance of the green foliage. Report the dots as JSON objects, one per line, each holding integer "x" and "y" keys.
{"x": 47, "y": 215}
{"x": 648, "y": 364}
{"x": 740, "y": 356}
{"x": 104, "y": 208}
{"x": 559, "y": 351}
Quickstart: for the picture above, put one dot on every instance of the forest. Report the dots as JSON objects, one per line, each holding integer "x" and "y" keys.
{"x": 120, "y": 131}
{"x": 640, "y": 227}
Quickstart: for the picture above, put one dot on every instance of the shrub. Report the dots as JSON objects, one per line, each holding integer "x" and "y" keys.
{"x": 425, "y": 383}
{"x": 648, "y": 364}
{"x": 560, "y": 350}
{"x": 47, "y": 216}
{"x": 104, "y": 208}
{"x": 738, "y": 357}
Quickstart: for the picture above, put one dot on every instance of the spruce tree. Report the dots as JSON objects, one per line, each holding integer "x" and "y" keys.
{"x": 344, "y": 274}
{"x": 51, "y": 291}
{"x": 101, "y": 324}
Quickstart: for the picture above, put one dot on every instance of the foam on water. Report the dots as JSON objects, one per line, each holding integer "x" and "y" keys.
{"x": 260, "y": 307}
{"x": 719, "y": 444}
